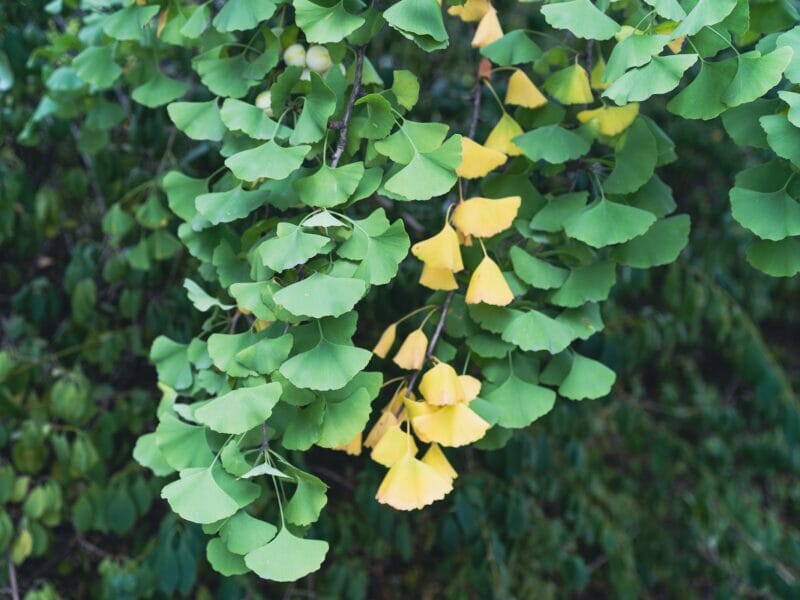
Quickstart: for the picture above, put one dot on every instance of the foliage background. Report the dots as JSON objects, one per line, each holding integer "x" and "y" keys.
{"x": 683, "y": 482}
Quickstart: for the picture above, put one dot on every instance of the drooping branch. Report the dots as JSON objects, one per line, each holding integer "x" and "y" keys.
{"x": 348, "y": 110}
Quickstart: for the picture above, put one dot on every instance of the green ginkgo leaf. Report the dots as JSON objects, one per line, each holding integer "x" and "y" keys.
{"x": 325, "y": 23}
{"x": 172, "y": 362}
{"x": 379, "y": 250}
{"x": 756, "y": 75}
{"x": 128, "y": 23}
{"x": 633, "y": 51}
{"x": 514, "y": 48}
{"x": 224, "y": 561}
{"x": 319, "y": 106}
{"x": 779, "y": 259}
{"x": 589, "y": 283}
{"x": 534, "y": 331}
{"x": 201, "y": 300}
{"x": 570, "y": 85}
{"x": 636, "y": 158}
{"x": 553, "y": 144}
{"x": 240, "y": 410}
{"x": 182, "y": 445}
{"x": 793, "y": 100}
{"x": 290, "y": 247}
{"x": 782, "y": 137}
{"x": 197, "y": 22}
{"x": 583, "y": 321}
{"x": 241, "y": 15}
{"x": 266, "y": 355}
{"x": 703, "y": 97}
{"x": 659, "y": 76}
{"x": 659, "y": 245}
{"x": 581, "y": 18}
{"x": 586, "y": 379}
{"x": 704, "y": 14}
{"x": 198, "y": 120}
{"x": 233, "y": 204}
{"x": 308, "y": 500}
{"x": 159, "y": 90}
{"x": 520, "y": 402}
{"x": 553, "y": 215}
{"x": 791, "y": 39}
{"x": 429, "y": 174}
{"x": 251, "y": 295}
{"x": 604, "y": 223}
{"x": 410, "y": 138}
{"x": 535, "y": 271}
{"x": 226, "y": 75}
{"x": 243, "y": 533}
{"x": 327, "y": 366}
{"x": 344, "y": 418}
{"x": 222, "y": 495}
{"x": 96, "y": 66}
{"x": 224, "y": 348}
{"x": 287, "y": 557}
{"x": 247, "y": 118}
{"x": 329, "y": 186}
{"x": 420, "y": 21}
{"x": 147, "y": 454}
{"x": 770, "y": 215}
{"x": 267, "y": 160}
{"x": 669, "y": 9}
{"x": 321, "y": 295}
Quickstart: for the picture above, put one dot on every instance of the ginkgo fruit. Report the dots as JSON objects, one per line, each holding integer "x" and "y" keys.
{"x": 393, "y": 445}
{"x": 610, "y": 120}
{"x": 471, "y": 10}
{"x": 264, "y": 102}
{"x": 440, "y": 251}
{"x": 500, "y": 137}
{"x": 295, "y": 56}
{"x": 522, "y": 91}
{"x": 483, "y": 217}
{"x": 440, "y": 385}
{"x": 411, "y": 354}
{"x": 488, "y": 31}
{"x": 386, "y": 341}
{"x": 318, "y": 59}
{"x": 437, "y": 279}
{"x": 412, "y": 484}
{"x": 478, "y": 160}
{"x": 488, "y": 285}
{"x": 434, "y": 457}
{"x": 455, "y": 425}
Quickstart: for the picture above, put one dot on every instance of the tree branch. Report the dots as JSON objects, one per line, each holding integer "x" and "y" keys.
{"x": 348, "y": 111}
{"x": 432, "y": 345}
{"x": 12, "y": 579}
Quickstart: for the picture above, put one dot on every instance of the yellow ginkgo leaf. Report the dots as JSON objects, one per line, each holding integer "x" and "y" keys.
{"x": 471, "y": 386}
{"x": 570, "y": 85}
{"x": 676, "y": 45}
{"x": 488, "y": 30}
{"x": 500, "y": 137}
{"x": 411, "y": 355}
{"x": 488, "y": 285}
{"x": 411, "y": 484}
{"x": 353, "y": 447}
{"x": 440, "y": 386}
{"x": 386, "y": 341}
{"x": 478, "y": 160}
{"x": 522, "y": 91}
{"x": 440, "y": 251}
{"x": 483, "y": 217}
{"x": 434, "y": 457}
{"x": 396, "y": 403}
{"x": 437, "y": 279}
{"x": 393, "y": 445}
{"x": 596, "y": 78}
{"x": 610, "y": 120}
{"x": 385, "y": 422}
{"x": 471, "y": 10}
{"x": 416, "y": 409}
{"x": 456, "y": 425}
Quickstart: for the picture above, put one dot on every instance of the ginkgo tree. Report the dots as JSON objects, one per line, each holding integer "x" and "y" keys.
{"x": 319, "y": 159}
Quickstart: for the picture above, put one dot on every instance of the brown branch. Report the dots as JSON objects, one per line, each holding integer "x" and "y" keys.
{"x": 348, "y": 111}
{"x": 432, "y": 345}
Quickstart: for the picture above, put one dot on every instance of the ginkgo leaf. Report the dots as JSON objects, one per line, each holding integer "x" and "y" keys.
{"x": 319, "y": 106}
{"x": 183, "y": 446}
{"x": 287, "y": 557}
{"x": 520, "y": 402}
{"x": 290, "y": 247}
{"x": 223, "y": 560}
{"x": 437, "y": 279}
{"x": 659, "y": 76}
{"x": 488, "y": 285}
{"x": 610, "y": 120}
{"x": 386, "y": 341}
{"x": 756, "y": 75}
{"x": 669, "y": 9}
{"x": 308, "y": 500}
{"x": 779, "y": 259}
{"x": 329, "y": 186}
{"x": 128, "y": 23}
{"x": 703, "y": 97}
{"x": 484, "y": 217}
{"x": 471, "y": 10}
{"x": 240, "y": 410}
{"x": 321, "y": 295}
{"x": 770, "y": 215}
{"x": 429, "y": 174}
{"x": 419, "y": 21}
{"x": 791, "y": 39}
{"x": 605, "y": 223}
{"x": 241, "y": 116}
{"x": 434, "y": 457}
{"x": 586, "y": 378}
{"x": 201, "y": 300}
{"x": 411, "y": 354}
{"x": 222, "y": 494}
{"x": 172, "y": 363}
{"x": 452, "y": 426}
{"x": 379, "y": 251}
{"x": 442, "y": 251}
{"x": 411, "y": 484}
{"x": 793, "y": 100}
{"x": 327, "y": 366}
{"x": 704, "y": 14}
{"x": 782, "y": 137}
{"x": 325, "y": 23}
{"x": 553, "y": 144}
{"x": 477, "y": 160}
{"x": 514, "y": 48}
{"x": 488, "y": 30}
{"x": 636, "y": 158}
{"x": 581, "y": 18}
{"x": 558, "y": 211}
{"x": 344, "y": 418}
{"x": 634, "y": 51}
{"x": 233, "y": 204}
{"x": 394, "y": 444}
{"x": 241, "y": 15}
{"x": 521, "y": 91}
{"x": 267, "y": 160}
{"x": 441, "y": 386}
{"x": 501, "y": 135}
{"x": 159, "y": 90}
{"x": 243, "y": 533}
{"x": 588, "y": 283}
{"x": 570, "y": 85}
{"x": 534, "y": 331}
{"x": 198, "y": 120}
{"x": 410, "y": 138}
{"x": 535, "y": 271}
{"x": 659, "y": 245}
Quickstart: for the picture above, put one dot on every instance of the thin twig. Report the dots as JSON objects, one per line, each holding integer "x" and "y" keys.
{"x": 12, "y": 579}
{"x": 473, "y": 124}
{"x": 348, "y": 111}
{"x": 432, "y": 345}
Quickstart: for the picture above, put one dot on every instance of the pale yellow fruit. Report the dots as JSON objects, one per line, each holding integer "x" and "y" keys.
{"x": 295, "y": 56}
{"x": 318, "y": 59}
